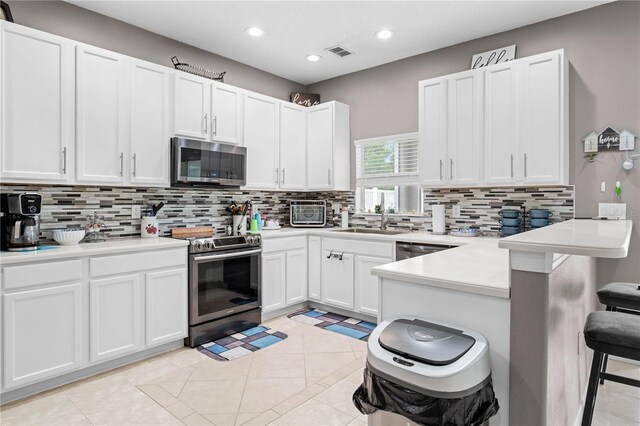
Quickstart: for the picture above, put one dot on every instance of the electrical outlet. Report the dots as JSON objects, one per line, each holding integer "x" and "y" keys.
{"x": 455, "y": 211}
{"x": 135, "y": 211}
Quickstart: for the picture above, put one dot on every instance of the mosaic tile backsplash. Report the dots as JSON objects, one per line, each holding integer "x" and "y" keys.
{"x": 479, "y": 207}
{"x": 68, "y": 206}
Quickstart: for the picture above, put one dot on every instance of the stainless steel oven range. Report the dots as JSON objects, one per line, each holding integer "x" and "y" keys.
{"x": 224, "y": 286}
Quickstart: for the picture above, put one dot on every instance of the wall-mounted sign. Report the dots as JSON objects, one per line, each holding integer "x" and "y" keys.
{"x": 305, "y": 99}
{"x": 609, "y": 139}
{"x": 497, "y": 56}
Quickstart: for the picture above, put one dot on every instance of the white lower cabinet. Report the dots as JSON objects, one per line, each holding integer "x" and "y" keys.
{"x": 273, "y": 281}
{"x": 115, "y": 317}
{"x": 42, "y": 333}
{"x": 166, "y": 306}
{"x": 66, "y": 315}
{"x": 284, "y": 273}
{"x": 296, "y": 285}
{"x": 337, "y": 279}
{"x": 346, "y": 273}
{"x": 366, "y": 285}
{"x": 315, "y": 268}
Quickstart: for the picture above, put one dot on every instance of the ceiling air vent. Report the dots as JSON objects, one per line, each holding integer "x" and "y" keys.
{"x": 340, "y": 51}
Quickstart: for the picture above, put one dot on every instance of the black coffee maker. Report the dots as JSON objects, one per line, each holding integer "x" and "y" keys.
{"x": 20, "y": 221}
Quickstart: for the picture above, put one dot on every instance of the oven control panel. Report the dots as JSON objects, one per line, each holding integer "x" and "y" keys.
{"x": 253, "y": 239}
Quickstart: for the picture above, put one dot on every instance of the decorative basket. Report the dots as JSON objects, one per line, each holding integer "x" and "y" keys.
{"x": 199, "y": 71}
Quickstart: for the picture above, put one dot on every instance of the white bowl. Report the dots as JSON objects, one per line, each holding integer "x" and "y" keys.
{"x": 68, "y": 237}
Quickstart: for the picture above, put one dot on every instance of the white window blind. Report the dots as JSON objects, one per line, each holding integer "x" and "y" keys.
{"x": 388, "y": 160}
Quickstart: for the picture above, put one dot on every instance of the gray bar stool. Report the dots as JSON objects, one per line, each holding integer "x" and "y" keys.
{"x": 609, "y": 333}
{"x": 619, "y": 297}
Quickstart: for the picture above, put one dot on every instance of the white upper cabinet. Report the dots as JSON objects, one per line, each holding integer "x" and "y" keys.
{"x": 36, "y": 105}
{"x": 328, "y": 149}
{"x": 261, "y": 137}
{"x": 464, "y": 134}
{"x": 432, "y": 124}
{"x": 500, "y": 123}
{"x": 149, "y": 124}
{"x": 226, "y": 113}
{"x": 293, "y": 146}
{"x": 100, "y": 116}
{"x": 505, "y": 124}
{"x": 207, "y": 110}
{"x": 543, "y": 119}
{"x": 191, "y": 106}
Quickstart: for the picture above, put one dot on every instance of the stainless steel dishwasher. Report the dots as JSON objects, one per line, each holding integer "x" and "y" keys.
{"x": 407, "y": 250}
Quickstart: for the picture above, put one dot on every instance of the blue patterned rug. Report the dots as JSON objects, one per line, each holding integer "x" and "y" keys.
{"x": 243, "y": 343}
{"x": 337, "y": 323}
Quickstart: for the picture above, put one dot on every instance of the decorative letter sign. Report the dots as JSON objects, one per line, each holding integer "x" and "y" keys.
{"x": 305, "y": 99}
{"x": 491, "y": 57}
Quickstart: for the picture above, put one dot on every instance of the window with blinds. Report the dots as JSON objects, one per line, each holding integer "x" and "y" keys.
{"x": 388, "y": 166}
{"x": 388, "y": 160}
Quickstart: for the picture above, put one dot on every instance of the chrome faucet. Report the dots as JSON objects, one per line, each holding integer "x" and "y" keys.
{"x": 384, "y": 221}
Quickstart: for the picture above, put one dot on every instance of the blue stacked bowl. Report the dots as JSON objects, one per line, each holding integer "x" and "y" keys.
{"x": 539, "y": 218}
{"x": 511, "y": 222}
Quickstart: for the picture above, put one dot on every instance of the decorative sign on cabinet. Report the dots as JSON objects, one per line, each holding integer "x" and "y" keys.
{"x": 502, "y": 124}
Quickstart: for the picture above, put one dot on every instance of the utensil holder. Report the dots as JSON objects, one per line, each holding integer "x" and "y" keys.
{"x": 149, "y": 227}
{"x": 239, "y": 225}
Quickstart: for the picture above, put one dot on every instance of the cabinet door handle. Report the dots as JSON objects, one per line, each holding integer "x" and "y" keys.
{"x": 283, "y": 175}
{"x": 134, "y": 165}
{"x": 276, "y": 173}
{"x": 121, "y": 162}
{"x": 511, "y": 165}
{"x": 440, "y": 169}
{"x": 450, "y": 168}
{"x": 328, "y": 176}
{"x": 214, "y": 126}
{"x": 64, "y": 160}
{"x": 206, "y": 124}
{"x": 525, "y": 164}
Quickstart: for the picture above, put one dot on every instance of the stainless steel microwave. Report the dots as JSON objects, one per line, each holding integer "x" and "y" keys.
{"x": 196, "y": 162}
{"x": 308, "y": 213}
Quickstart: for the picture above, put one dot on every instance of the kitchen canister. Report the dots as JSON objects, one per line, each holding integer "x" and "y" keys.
{"x": 149, "y": 227}
{"x": 437, "y": 214}
{"x": 239, "y": 224}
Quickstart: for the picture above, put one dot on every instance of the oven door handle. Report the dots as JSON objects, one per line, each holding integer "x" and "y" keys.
{"x": 225, "y": 256}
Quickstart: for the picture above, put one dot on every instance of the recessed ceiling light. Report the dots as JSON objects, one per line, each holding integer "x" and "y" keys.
{"x": 254, "y": 31}
{"x": 384, "y": 34}
{"x": 313, "y": 58}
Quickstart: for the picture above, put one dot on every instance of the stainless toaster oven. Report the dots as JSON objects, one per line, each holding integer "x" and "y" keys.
{"x": 308, "y": 213}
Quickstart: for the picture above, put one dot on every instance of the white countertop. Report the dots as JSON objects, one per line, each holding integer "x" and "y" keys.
{"x": 584, "y": 237}
{"x": 476, "y": 266}
{"x": 114, "y": 246}
{"x": 480, "y": 267}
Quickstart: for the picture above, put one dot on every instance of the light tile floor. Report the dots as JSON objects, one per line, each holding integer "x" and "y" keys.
{"x": 306, "y": 380}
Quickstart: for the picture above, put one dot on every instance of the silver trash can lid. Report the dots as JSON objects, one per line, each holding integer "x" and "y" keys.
{"x": 425, "y": 342}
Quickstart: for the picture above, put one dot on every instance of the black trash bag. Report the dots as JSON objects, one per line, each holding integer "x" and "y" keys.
{"x": 377, "y": 393}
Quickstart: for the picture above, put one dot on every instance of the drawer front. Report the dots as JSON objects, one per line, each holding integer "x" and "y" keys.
{"x": 284, "y": 244}
{"x": 364, "y": 247}
{"x": 33, "y": 274}
{"x": 135, "y": 262}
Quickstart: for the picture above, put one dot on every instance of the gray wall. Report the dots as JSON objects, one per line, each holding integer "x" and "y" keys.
{"x": 603, "y": 45}
{"x": 79, "y": 24}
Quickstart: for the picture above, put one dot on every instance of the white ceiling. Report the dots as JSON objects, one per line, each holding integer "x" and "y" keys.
{"x": 294, "y": 29}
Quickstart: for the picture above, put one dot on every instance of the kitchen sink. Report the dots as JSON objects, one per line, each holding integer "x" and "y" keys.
{"x": 373, "y": 231}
